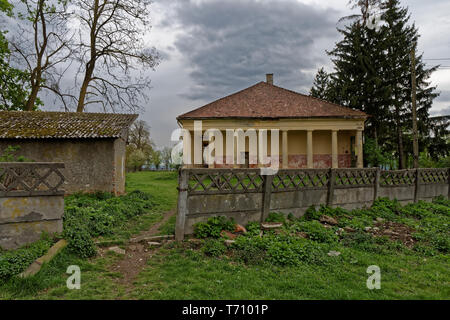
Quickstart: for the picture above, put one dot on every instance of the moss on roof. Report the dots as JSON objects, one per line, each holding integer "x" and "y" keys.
{"x": 62, "y": 125}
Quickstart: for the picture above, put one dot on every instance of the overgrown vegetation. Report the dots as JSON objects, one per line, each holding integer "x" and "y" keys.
{"x": 290, "y": 263}
{"x": 87, "y": 216}
{"x": 14, "y": 262}
{"x": 385, "y": 228}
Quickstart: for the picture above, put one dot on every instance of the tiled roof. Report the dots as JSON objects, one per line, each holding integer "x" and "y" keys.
{"x": 62, "y": 125}
{"x": 266, "y": 101}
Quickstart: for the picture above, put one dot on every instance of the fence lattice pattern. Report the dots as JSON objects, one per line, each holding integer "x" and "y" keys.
{"x": 346, "y": 178}
{"x": 225, "y": 181}
{"x": 397, "y": 178}
{"x": 31, "y": 179}
{"x": 251, "y": 180}
{"x": 287, "y": 180}
{"x": 433, "y": 176}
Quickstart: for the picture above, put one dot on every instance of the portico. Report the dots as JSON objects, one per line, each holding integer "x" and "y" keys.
{"x": 312, "y": 133}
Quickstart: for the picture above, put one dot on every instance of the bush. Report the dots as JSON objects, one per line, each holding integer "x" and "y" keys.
{"x": 214, "y": 247}
{"x": 316, "y": 231}
{"x": 14, "y": 262}
{"x": 279, "y": 250}
{"x": 213, "y": 227}
{"x": 253, "y": 228}
{"x": 312, "y": 214}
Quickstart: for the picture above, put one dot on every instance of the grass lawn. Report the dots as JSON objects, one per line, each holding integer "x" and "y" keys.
{"x": 186, "y": 271}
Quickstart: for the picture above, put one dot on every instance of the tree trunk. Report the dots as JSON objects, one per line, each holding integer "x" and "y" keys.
{"x": 83, "y": 91}
{"x": 32, "y": 98}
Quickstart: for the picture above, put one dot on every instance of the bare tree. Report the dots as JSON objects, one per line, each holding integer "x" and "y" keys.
{"x": 113, "y": 53}
{"x": 139, "y": 137}
{"x": 41, "y": 43}
{"x": 166, "y": 157}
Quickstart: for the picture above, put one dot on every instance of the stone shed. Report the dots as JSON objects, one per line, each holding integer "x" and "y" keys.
{"x": 91, "y": 145}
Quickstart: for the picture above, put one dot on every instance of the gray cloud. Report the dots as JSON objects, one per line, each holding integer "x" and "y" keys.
{"x": 232, "y": 44}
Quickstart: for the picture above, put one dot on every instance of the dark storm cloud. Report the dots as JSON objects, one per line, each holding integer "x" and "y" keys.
{"x": 232, "y": 44}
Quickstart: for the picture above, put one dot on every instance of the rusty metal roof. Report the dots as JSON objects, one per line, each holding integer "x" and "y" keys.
{"x": 267, "y": 101}
{"x": 62, "y": 125}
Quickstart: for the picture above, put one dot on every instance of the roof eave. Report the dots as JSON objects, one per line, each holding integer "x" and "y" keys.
{"x": 362, "y": 117}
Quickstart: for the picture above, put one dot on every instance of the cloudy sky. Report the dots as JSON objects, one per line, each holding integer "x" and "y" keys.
{"x": 211, "y": 48}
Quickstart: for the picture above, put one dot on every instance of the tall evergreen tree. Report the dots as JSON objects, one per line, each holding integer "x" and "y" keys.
{"x": 400, "y": 38}
{"x": 320, "y": 86}
{"x": 356, "y": 81}
{"x": 372, "y": 73}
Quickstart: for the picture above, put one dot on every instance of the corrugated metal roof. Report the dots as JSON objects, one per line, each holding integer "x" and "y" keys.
{"x": 62, "y": 125}
{"x": 267, "y": 101}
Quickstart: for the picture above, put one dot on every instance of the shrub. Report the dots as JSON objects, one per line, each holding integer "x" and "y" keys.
{"x": 316, "y": 231}
{"x": 16, "y": 261}
{"x": 360, "y": 240}
{"x": 213, "y": 227}
{"x": 279, "y": 250}
{"x": 253, "y": 228}
{"x": 311, "y": 214}
{"x": 251, "y": 249}
{"x": 214, "y": 248}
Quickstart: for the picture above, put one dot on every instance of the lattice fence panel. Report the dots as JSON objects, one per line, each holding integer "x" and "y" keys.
{"x": 28, "y": 179}
{"x": 397, "y": 178}
{"x": 225, "y": 181}
{"x": 287, "y": 180}
{"x": 354, "y": 178}
{"x": 433, "y": 176}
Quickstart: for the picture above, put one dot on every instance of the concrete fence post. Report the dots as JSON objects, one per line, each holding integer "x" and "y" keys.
{"x": 182, "y": 207}
{"x": 267, "y": 191}
{"x": 331, "y": 184}
{"x": 416, "y": 188}
{"x": 376, "y": 184}
{"x": 448, "y": 193}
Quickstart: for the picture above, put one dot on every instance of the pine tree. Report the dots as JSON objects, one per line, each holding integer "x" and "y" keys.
{"x": 372, "y": 73}
{"x": 356, "y": 81}
{"x": 321, "y": 85}
{"x": 400, "y": 38}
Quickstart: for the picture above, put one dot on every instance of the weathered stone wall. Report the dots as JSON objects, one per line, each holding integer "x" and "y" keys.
{"x": 246, "y": 195}
{"x": 29, "y": 202}
{"x": 91, "y": 164}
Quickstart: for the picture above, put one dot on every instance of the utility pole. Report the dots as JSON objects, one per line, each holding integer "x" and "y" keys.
{"x": 414, "y": 110}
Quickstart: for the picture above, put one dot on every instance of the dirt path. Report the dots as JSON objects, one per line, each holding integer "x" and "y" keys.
{"x": 137, "y": 254}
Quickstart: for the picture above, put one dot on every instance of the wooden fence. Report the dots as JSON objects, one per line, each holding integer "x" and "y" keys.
{"x": 246, "y": 195}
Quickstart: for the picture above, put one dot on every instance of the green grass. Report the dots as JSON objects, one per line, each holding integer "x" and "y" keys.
{"x": 97, "y": 281}
{"x": 184, "y": 271}
{"x": 161, "y": 185}
{"x": 187, "y": 274}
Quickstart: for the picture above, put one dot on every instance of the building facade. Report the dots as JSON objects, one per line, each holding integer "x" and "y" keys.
{"x": 313, "y": 133}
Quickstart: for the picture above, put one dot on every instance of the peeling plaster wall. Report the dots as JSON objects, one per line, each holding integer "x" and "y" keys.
{"x": 23, "y": 219}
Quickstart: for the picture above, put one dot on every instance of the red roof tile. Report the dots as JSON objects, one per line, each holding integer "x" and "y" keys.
{"x": 266, "y": 101}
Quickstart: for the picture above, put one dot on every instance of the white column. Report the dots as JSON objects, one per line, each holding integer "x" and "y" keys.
{"x": 285, "y": 150}
{"x": 309, "y": 149}
{"x": 334, "y": 149}
{"x": 187, "y": 149}
{"x": 359, "y": 149}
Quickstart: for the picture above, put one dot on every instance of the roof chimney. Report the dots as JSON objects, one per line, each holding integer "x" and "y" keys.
{"x": 269, "y": 78}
